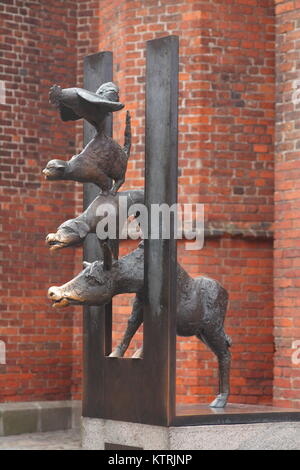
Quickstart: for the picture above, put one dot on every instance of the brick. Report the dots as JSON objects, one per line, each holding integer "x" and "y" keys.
{"x": 28, "y": 144}
{"x": 287, "y": 200}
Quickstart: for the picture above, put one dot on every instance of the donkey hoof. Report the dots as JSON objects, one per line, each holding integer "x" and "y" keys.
{"x": 220, "y": 401}
{"x": 138, "y": 354}
{"x": 116, "y": 353}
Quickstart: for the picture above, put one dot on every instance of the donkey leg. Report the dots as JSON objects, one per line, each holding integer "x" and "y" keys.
{"x": 219, "y": 343}
{"x": 135, "y": 320}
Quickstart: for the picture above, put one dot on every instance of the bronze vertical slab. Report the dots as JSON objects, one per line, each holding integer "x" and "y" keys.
{"x": 143, "y": 390}
{"x": 161, "y": 255}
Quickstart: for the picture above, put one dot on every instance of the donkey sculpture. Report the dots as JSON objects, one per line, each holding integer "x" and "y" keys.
{"x": 201, "y": 305}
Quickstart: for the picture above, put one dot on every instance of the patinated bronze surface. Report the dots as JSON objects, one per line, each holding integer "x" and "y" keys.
{"x": 103, "y": 159}
{"x": 74, "y": 231}
{"x": 201, "y": 304}
{"x": 77, "y": 103}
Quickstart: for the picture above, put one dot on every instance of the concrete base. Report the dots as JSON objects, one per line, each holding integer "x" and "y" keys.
{"x": 100, "y": 434}
{"x": 42, "y": 416}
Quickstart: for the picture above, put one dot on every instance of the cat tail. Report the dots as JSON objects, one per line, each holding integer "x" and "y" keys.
{"x": 127, "y": 135}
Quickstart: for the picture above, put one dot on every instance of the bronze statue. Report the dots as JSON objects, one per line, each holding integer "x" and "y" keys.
{"x": 201, "y": 302}
{"x": 201, "y": 305}
{"x": 102, "y": 160}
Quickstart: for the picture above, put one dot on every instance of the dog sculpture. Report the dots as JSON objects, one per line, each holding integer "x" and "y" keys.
{"x": 74, "y": 231}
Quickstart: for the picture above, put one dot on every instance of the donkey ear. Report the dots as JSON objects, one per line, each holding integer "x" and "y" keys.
{"x": 107, "y": 257}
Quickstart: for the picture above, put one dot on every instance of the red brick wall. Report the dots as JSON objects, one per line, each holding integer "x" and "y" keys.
{"x": 245, "y": 269}
{"x": 287, "y": 208}
{"x": 38, "y": 40}
{"x": 226, "y": 161}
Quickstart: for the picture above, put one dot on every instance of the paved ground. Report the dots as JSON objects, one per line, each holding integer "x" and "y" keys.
{"x": 60, "y": 440}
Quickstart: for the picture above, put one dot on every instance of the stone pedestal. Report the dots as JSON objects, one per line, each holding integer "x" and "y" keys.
{"x": 108, "y": 434}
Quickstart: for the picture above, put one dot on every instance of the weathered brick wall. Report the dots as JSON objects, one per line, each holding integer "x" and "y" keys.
{"x": 226, "y": 127}
{"x": 287, "y": 208}
{"x": 226, "y": 161}
{"x": 38, "y": 40}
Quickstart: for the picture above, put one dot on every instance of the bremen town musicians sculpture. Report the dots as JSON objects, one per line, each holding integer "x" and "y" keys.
{"x": 201, "y": 302}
